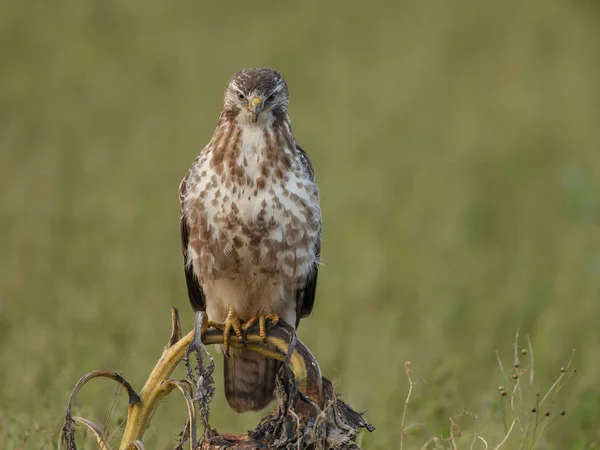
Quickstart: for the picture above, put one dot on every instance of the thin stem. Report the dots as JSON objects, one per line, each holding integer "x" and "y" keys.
{"x": 407, "y": 369}
{"x": 506, "y": 436}
{"x": 95, "y": 431}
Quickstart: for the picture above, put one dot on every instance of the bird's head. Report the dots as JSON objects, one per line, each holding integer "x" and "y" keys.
{"x": 257, "y": 95}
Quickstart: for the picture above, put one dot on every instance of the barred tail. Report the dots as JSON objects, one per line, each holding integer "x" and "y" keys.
{"x": 249, "y": 380}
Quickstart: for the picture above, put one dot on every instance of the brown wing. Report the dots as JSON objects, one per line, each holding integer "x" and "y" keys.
{"x": 305, "y": 295}
{"x": 195, "y": 292}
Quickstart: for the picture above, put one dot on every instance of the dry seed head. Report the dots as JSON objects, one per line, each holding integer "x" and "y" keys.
{"x": 563, "y": 412}
{"x": 515, "y": 376}
{"x": 524, "y": 351}
{"x": 503, "y": 393}
{"x": 547, "y": 413}
{"x": 563, "y": 370}
{"x": 517, "y": 365}
{"x": 534, "y": 410}
{"x": 500, "y": 388}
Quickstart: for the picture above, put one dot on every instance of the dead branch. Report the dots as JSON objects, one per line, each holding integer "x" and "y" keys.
{"x": 309, "y": 414}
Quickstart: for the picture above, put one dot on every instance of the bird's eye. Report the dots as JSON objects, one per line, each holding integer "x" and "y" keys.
{"x": 271, "y": 98}
{"x": 241, "y": 96}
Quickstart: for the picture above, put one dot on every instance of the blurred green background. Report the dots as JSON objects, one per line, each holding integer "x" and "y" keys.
{"x": 457, "y": 149}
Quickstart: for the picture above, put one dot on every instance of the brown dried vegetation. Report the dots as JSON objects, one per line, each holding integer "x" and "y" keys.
{"x": 309, "y": 413}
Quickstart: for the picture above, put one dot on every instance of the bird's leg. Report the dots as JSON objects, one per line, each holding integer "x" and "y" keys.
{"x": 262, "y": 324}
{"x": 231, "y": 323}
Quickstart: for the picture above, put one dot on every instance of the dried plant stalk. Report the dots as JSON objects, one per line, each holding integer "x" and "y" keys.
{"x": 309, "y": 413}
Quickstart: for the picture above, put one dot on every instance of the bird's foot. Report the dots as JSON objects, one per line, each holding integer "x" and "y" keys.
{"x": 262, "y": 324}
{"x": 210, "y": 324}
{"x": 231, "y": 323}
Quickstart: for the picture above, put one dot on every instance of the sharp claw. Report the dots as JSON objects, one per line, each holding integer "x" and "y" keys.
{"x": 247, "y": 326}
{"x": 242, "y": 338}
{"x": 274, "y": 320}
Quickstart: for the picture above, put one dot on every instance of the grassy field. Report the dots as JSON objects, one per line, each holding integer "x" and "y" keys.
{"x": 457, "y": 148}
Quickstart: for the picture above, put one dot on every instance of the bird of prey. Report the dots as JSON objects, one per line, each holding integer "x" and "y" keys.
{"x": 251, "y": 228}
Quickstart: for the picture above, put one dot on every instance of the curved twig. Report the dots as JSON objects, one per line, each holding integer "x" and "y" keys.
{"x": 291, "y": 344}
{"x": 185, "y": 389}
{"x": 95, "y": 430}
{"x": 67, "y": 434}
{"x": 134, "y": 398}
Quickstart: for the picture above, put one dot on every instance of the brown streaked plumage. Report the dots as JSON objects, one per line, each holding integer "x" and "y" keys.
{"x": 251, "y": 224}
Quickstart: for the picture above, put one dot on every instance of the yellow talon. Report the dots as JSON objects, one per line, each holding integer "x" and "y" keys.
{"x": 262, "y": 323}
{"x": 210, "y": 324}
{"x": 249, "y": 324}
{"x": 231, "y": 323}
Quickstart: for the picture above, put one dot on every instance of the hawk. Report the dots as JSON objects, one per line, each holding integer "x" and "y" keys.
{"x": 251, "y": 228}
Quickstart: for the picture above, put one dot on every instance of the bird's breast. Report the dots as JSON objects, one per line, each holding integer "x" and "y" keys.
{"x": 254, "y": 214}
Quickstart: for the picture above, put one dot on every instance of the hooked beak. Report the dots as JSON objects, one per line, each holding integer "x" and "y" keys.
{"x": 256, "y": 106}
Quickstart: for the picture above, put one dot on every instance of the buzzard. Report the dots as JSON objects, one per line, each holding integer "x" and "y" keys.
{"x": 251, "y": 228}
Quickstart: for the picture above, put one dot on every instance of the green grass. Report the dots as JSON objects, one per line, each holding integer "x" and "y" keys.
{"x": 457, "y": 148}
